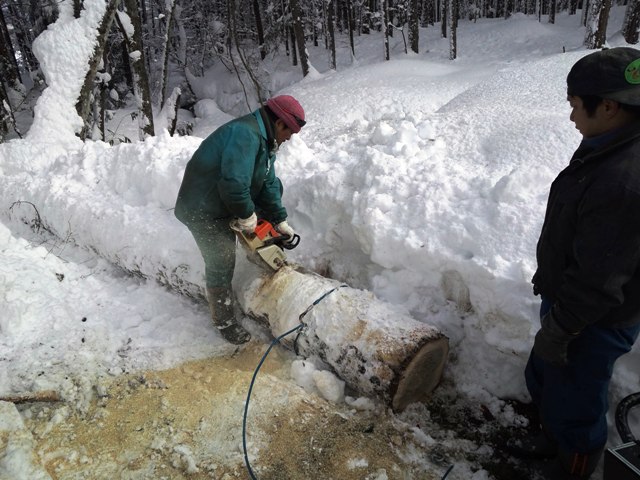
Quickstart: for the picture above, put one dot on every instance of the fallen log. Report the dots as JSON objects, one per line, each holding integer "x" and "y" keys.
{"x": 375, "y": 349}
{"x": 28, "y": 397}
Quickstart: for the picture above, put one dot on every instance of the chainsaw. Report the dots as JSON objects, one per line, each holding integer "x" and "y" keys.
{"x": 268, "y": 243}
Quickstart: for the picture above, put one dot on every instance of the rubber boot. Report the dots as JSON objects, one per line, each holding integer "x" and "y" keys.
{"x": 221, "y": 303}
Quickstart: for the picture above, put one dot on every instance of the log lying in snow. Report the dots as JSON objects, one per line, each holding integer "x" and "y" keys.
{"x": 373, "y": 348}
{"x": 41, "y": 396}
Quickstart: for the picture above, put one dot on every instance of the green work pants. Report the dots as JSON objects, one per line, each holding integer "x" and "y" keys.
{"x": 217, "y": 244}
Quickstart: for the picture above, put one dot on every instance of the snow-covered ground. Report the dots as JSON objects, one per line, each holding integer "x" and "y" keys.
{"x": 421, "y": 179}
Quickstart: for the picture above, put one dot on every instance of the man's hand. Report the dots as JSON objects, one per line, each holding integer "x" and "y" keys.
{"x": 285, "y": 229}
{"x": 552, "y": 341}
{"x": 246, "y": 225}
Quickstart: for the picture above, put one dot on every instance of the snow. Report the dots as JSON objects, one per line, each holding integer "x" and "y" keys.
{"x": 421, "y": 180}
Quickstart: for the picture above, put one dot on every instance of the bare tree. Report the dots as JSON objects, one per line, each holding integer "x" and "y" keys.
{"x": 9, "y": 70}
{"x": 83, "y": 106}
{"x": 259, "y": 30}
{"x": 596, "y": 33}
{"x": 298, "y": 29}
{"x": 631, "y": 22}
{"x": 137, "y": 65}
{"x": 331, "y": 33}
{"x": 444, "y": 7}
{"x": 386, "y": 28}
{"x": 351, "y": 26}
{"x": 454, "y": 6}
{"x": 414, "y": 25}
{"x": 170, "y": 13}
{"x": 553, "y": 5}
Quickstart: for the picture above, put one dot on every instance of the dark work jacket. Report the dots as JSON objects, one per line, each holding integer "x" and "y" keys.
{"x": 232, "y": 174}
{"x": 589, "y": 248}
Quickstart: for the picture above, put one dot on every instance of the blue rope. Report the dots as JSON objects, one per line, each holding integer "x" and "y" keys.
{"x": 255, "y": 374}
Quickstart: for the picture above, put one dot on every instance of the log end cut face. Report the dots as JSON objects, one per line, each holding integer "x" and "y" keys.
{"x": 422, "y": 374}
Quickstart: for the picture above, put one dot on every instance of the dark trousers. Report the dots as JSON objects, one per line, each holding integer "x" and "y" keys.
{"x": 572, "y": 400}
{"x": 217, "y": 244}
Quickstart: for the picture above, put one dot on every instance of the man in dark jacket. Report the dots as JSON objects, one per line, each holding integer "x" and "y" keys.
{"x": 588, "y": 266}
{"x": 227, "y": 184}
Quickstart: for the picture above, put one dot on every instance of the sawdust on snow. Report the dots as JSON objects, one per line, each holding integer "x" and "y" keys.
{"x": 186, "y": 423}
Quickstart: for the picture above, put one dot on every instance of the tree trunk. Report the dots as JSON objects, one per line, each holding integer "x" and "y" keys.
{"x": 259, "y": 30}
{"x": 631, "y": 22}
{"x": 7, "y": 121}
{"x": 351, "y": 23}
{"x": 586, "y": 5}
{"x": 596, "y": 34}
{"x": 374, "y": 349}
{"x": 298, "y": 29}
{"x": 453, "y": 28}
{"x": 573, "y": 7}
{"x": 385, "y": 28}
{"x": 171, "y": 10}
{"x": 9, "y": 70}
{"x": 331, "y": 33}
{"x": 23, "y": 32}
{"x": 139, "y": 75}
{"x": 444, "y": 15}
{"x": 83, "y": 106}
{"x": 553, "y": 5}
{"x": 414, "y": 25}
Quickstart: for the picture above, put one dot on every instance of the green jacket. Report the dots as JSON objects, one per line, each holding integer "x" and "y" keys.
{"x": 232, "y": 174}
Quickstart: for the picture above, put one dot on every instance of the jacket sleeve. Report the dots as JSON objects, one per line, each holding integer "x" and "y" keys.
{"x": 236, "y": 169}
{"x": 269, "y": 200}
{"x": 606, "y": 252}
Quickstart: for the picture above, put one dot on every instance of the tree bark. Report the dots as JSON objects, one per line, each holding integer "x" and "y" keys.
{"x": 374, "y": 349}
{"x": 351, "y": 23}
{"x": 139, "y": 75}
{"x": 331, "y": 34}
{"x": 444, "y": 16}
{"x": 9, "y": 70}
{"x": 171, "y": 10}
{"x": 83, "y": 106}
{"x": 298, "y": 29}
{"x": 259, "y": 29}
{"x": 385, "y": 28}
{"x": 596, "y": 33}
{"x": 414, "y": 25}
{"x": 631, "y": 22}
{"x": 453, "y": 28}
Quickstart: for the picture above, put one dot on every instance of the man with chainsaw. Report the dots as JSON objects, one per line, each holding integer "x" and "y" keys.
{"x": 588, "y": 271}
{"x": 229, "y": 182}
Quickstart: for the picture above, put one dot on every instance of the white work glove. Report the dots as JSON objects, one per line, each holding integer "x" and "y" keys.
{"x": 285, "y": 229}
{"x": 246, "y": 225}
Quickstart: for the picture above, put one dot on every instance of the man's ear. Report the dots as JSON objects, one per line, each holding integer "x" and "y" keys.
{"x": 611, "y": 107}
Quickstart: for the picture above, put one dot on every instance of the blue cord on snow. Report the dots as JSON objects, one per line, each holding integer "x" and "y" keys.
{"x": 246, "y": 405}
{"x": 447, "y": 472}
{"x": 255, "y": 374}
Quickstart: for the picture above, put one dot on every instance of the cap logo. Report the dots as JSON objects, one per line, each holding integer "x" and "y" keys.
{"x": 632, "y": 72}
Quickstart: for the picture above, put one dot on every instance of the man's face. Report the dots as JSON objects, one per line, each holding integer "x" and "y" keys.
{"x": 587, "y": 125}
{"x": 283, "y": 133}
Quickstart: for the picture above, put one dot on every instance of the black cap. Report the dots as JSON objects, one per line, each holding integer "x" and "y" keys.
{"x": 611, "y": 73}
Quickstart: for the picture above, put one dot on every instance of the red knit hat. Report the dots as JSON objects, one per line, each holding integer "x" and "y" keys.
{"x": 289, "y": 110}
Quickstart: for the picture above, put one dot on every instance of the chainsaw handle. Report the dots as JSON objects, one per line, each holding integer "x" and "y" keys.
{"x": 295, "y": 241}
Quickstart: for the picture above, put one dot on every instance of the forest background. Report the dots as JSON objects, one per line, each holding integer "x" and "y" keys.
{"x": 149, "y": 52}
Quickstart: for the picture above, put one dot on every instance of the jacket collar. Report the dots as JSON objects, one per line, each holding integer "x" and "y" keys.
{"x": 266, "y": 128}
{"x": 605, "y": 143}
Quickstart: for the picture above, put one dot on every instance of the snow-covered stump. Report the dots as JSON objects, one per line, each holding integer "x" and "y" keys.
{"x": 373, "y": 348}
